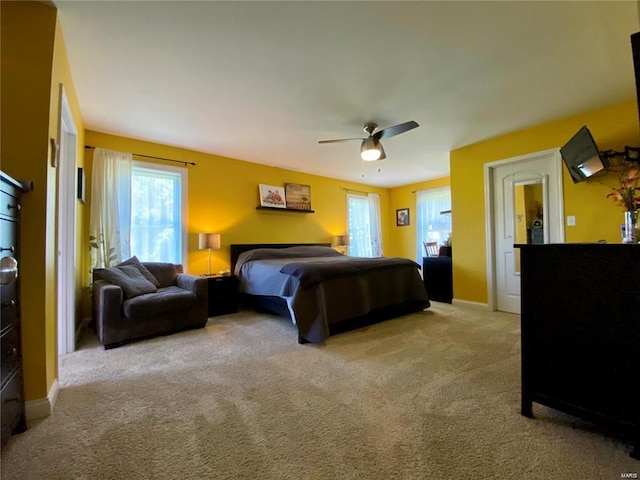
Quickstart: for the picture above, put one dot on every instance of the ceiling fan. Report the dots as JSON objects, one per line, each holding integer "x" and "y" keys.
{"x": 371, "y": 148}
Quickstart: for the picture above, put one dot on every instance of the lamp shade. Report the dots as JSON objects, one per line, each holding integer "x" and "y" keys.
{"x": 342, "y": 240}
{"x": 371, "y": 150}
{"x": 209, "y": 241}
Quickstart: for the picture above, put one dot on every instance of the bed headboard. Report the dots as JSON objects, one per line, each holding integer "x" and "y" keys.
{"x": 237, "y": 249}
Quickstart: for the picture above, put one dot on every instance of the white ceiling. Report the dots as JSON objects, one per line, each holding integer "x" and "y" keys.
{"x": 264, "y": 81}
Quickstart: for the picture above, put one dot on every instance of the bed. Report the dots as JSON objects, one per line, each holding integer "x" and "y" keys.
{"x": 324, "y": 292}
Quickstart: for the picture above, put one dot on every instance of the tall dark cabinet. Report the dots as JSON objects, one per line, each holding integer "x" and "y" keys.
{"x": 12, "y": 407}
{"x": 581, "y": 332}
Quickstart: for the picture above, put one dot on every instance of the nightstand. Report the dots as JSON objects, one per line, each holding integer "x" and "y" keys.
{"x": 223, "y": 294}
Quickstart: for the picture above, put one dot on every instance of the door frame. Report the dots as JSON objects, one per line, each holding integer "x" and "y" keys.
{"x": 489, "y": 208}
{"x": 66, "y": 227}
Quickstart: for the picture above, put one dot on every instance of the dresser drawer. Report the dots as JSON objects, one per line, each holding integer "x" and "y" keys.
{"x": 10, "y": 352}
{"x": 8, "y": 237}
{"x": 9, "y": 205}
{"x": 12, "y": 402}
{"x": 9, "y": 312}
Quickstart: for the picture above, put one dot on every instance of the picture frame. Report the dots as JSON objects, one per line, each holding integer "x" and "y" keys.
{"x": 272, "y": 196}
{"x": 402, "y": 217}
{"x": 298, "y": 196}
{"x": 82, "y": 186}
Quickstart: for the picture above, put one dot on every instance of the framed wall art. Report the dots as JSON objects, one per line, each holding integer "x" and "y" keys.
{"x": 298, "y": 196}
{"x": 82, "y": 186}
{"x": 402, "y": 217}
{"x": 271, "y": 196}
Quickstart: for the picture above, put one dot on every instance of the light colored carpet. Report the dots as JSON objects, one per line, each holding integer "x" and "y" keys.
{"x": 433, "y": 395}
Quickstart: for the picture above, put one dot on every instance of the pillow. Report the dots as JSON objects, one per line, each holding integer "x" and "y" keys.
{"x": 129, "y": 278}
{"x": 299, "y": 251}
{"x": 143, "y": 270}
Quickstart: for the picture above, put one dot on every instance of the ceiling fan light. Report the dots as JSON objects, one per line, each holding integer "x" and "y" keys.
{"x": 371, "y": 150}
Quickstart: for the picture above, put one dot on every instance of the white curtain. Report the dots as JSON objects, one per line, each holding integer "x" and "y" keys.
{"x": 374, "y": 224}
{"x": 431, "y": 224}
{"x": 110, "y": 216}
{"x": 358, "y": 219}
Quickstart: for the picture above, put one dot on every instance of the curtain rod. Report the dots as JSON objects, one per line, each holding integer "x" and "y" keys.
{"x": 155, "y": 158}
{"x": 357, "y": 191}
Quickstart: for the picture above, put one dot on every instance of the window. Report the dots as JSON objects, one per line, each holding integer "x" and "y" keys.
{"x": 358, "y": 225}
{"x": 363, "y": 218}
{"x": 432, "y": 224}
{"x": 158, "y": 200}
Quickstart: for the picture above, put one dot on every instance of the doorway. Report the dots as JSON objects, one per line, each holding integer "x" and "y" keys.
{"x": 523, "y": 204}
{"x": 66, "y": 234}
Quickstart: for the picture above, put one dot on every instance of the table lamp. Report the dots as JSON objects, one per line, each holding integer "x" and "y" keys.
{"x": 209, "y": 241}
{"x": 342, "y": 242}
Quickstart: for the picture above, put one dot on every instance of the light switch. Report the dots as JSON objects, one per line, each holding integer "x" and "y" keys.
{"x": 571, "y": 221}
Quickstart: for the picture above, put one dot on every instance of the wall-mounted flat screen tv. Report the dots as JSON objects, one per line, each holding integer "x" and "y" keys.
{"x": 582, "y": 157}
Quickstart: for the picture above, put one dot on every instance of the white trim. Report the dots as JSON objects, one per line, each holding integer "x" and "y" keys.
{"x": 488, "y": 210}
{"x": 66, "y": 228}
{"x": 467, "y": 303}
{"x": 42, "y": 407}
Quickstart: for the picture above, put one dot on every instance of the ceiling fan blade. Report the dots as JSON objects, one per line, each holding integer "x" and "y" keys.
{"x": 340, "y": 140}
{"x": 395, "y": 130}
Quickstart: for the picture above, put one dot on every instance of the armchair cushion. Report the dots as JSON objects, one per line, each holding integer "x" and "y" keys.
{"x": 165, "y": 273}
{"x": 143, "y": 270}
{"x": 165, "y": 300}
{"x": 130, "y": 279}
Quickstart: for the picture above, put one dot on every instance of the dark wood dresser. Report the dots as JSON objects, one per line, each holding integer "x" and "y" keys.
{"x": 12, "y": 408}
{"x": 581, "y": 332}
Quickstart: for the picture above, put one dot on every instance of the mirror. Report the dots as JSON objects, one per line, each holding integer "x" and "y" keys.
{"x": 8, "y": 270}
{"x": 529, "y": 214}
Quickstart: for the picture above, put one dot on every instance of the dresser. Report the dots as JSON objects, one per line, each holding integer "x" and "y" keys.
{"x": 580, "y": 326}
{"x": 12, "y": 406}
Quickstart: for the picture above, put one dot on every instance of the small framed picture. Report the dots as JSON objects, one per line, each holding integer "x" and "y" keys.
{"x": 402, "y": 217}
{"x": 273, "y": 197}
{"x": 82, "y": 186}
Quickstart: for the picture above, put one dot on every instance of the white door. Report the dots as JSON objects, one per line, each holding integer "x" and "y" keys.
{"x": 66, "y": 235}
{"x": 526, "y": 199}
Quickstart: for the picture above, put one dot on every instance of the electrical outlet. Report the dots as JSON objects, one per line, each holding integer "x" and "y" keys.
{"x": 571, "y": 221}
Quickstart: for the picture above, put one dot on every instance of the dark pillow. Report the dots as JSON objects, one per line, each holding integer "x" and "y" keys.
{"x": 129, "y": 278}
{"x": 143, "y": 270}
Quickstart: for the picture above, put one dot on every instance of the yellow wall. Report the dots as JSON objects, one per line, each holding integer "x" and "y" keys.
{"x": 596, "y": 216}
{"x": 223, "y": 195}
{"x": 33, "y": 64}
{"x": 403, "y": 239}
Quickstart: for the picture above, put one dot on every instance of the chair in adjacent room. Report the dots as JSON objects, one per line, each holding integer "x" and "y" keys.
{"x": 431, "y": 248}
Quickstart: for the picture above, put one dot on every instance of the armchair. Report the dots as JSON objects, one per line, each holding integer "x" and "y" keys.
{"x": 136, "y": 299}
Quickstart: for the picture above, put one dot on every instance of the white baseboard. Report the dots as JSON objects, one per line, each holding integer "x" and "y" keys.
{"x": 42, "y": 407}
{"x": 467, "y": 303}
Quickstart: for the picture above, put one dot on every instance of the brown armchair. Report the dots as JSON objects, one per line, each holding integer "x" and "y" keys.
{"x": 135, "y": 300}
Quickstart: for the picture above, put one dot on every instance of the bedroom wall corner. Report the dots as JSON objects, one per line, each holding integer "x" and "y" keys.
{"x": 404, "y": 239}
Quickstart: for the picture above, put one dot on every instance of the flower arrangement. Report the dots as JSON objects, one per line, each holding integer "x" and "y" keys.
{"x": 627, "y": 195}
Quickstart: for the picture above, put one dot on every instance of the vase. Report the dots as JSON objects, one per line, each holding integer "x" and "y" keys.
{"x": 630, "y": 226}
